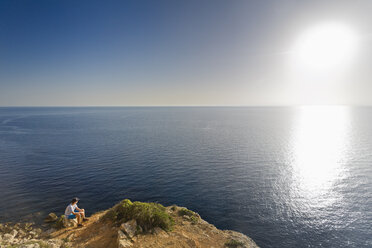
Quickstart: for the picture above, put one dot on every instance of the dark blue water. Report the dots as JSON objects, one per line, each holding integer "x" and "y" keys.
{"x": 287, "y": 177}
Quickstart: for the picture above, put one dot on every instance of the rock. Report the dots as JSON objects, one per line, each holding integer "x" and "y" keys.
{"x": 160, "y": 232}
{"x": 186, "y": 217}
{"x": 54, "y": 243}
{"x": 70, "y": 237}
{"x": 69, "y": 222}
{"x": 14, "y": 233}
{"x": 49, "y": 231}
{"x": 34, "y": 245}
{"x": 121, "y": 235}
{"x": 123, "y": 243}
{"x": 27, "y": 246}
{"x": 129, "y": 227}
{"x": 28, "y": 226}
{"x": 51, "y": 245}
{"x": 52, "y": 217}
{"x": 8, "y": 237}
{"x": 33, "y": 234}
{"x": 21, "y": 233}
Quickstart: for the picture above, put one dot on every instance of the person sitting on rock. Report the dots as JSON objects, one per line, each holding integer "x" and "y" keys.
{"x": 72, "y": 211}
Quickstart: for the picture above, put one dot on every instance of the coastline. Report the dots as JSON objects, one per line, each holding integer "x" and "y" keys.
{"x": 187, "y": 229}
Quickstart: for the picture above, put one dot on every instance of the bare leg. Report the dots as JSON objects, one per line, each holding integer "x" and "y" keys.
{"x": 82, "y": 212}
{"x": 79, "y": 220}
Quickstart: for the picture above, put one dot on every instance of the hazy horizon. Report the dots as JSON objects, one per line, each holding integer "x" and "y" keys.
{"x": 185, "y": 53}
{"x": 181, "y": 106}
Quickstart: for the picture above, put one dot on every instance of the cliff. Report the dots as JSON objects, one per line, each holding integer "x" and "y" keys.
{"x": 127, "y": 224}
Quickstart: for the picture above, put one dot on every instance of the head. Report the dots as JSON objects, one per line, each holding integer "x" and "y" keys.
{"x": 74, "y": 200}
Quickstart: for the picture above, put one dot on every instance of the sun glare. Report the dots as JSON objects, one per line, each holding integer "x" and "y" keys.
{"x": 326, "y": 46}
{"x": 321, "y": 62}
{"x": 319, "y": 145}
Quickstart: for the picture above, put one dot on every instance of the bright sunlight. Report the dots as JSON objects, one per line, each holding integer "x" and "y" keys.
{"x": 321, "y": 62}
{"x": 326, "y": 46}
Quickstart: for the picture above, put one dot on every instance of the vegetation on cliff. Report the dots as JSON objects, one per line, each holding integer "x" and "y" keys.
{"x": 147, "y": 215}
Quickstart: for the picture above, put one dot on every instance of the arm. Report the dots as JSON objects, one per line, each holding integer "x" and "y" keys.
{"x": 79, "y": 209}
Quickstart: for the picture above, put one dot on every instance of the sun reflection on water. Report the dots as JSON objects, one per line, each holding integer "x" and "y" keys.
{"x": 319, "y": 153}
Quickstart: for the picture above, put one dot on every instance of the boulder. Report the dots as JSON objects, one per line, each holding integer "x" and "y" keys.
{"x": 121, "y": 235}
{"x": 21, "y": 233}
{"x": 69, "y": 222}
{"x": 33, "y": 234}
{"x": 123, "y": 241}
{"x": 129, "y": 227}
{"x": 52, "y": 217}
{"x": 14, "y": 233}
{"x": 186, "y": 217}
{"x": 8, "y": 237}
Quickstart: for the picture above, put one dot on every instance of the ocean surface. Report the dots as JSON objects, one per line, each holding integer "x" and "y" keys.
{"x": 284, "y": 176}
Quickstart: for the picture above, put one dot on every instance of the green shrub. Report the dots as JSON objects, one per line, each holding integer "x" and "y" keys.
{"x": 185, "y": 211}
{"x": 147, "y": 215}
{"x": 59, "y": 222}
{"x": 194, "y": 219}
{"x": 234, "y": 243}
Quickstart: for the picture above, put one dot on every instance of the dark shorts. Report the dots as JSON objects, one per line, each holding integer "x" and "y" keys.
{"x": 72, "y": 216}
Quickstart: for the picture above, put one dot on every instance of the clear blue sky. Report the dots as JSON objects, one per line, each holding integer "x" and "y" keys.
{"x": 130, "y": 53}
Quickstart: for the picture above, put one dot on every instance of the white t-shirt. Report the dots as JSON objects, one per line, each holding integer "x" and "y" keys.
{"x": 70, "y": 209}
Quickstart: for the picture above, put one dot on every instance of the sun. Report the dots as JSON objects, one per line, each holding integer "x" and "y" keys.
{"x": 325, "y": 47}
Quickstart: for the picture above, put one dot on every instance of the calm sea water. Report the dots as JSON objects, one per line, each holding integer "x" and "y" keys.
{"x": 287, "y": 177}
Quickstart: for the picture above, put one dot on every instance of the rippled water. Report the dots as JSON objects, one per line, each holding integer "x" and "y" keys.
{"x": 287, "y": 177}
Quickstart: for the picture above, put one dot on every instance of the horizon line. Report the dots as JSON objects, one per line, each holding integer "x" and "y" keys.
{"x": 179, "y": 106}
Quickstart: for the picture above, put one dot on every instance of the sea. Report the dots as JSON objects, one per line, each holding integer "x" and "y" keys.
{"x": 285, "y": 176}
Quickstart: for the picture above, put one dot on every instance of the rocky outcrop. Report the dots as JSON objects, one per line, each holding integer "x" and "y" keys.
{"x": 188, "y": 230}
{"x": 52, "y": 217}
{"x": 129, "y": 228}
{"x": 26, "y": 235}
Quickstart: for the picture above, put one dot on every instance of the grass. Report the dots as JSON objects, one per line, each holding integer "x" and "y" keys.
{"x": 194, "y": 220}
{"x": 44, "y": 245}
{"x": 59, "y": 222}
{"x": 194, "y": 217}
{"x": 232, "y": 243}
{"x": 185, "y": 211}
{"x": 147, "y": 215}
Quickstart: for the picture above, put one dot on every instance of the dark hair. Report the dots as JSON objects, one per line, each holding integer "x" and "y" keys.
{"x": 75, "y": 199}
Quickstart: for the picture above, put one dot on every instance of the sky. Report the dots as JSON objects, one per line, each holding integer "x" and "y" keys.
{"x": 183, "y": 53}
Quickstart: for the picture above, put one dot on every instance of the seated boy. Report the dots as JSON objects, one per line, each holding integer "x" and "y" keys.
{"x": 72, "y": 211}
